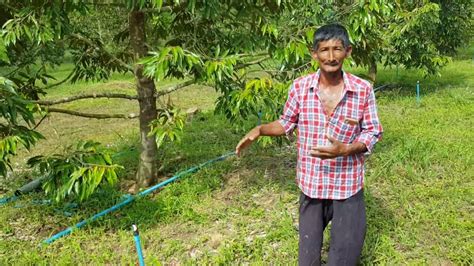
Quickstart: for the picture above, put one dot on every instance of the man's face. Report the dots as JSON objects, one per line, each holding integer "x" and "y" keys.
{"x": 330, "y": 55}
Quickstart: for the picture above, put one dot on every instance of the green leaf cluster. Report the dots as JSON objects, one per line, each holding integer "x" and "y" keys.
{"x": 260, "y": 95}
{"x": 414, "y": 35}
{"x": 16, "y": 121}
{"x": 93, "y": 61}
{"x": 171, "y": 61}
{"x": 77, "y": 173}
{"x": 168, "y": 126}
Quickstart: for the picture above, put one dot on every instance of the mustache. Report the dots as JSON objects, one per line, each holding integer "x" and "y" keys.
{"x": 332, "y": 63}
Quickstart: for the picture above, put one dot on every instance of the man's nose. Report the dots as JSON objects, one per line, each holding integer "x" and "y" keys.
{"x": 331, "y": 55}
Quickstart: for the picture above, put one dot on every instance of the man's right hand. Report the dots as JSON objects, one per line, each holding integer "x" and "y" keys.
{"x": 247, "y": 140}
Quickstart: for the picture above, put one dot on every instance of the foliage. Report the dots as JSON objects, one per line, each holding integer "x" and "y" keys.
{"x": 33, "y": 37}
{"x": 77, "y": 173}
{"x": 93, "y": 61}
{"x": 393, "y": 33}
{"x": 214, "y": 37}
{"x": 172, "y": 61}
{"x": 455, "y": 26}
{"x": 365, "y": 23}
{"x": 410, "y": 35}
{"x": 168, "y": 126}
{"x": 98, "y": 24}
{"x": 248, "y": 51}
{"x": 16, "y": 122}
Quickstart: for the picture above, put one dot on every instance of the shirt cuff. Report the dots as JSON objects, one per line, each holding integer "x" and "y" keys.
{"x": 287, "y": 125}
{"x": 369, "y": 140}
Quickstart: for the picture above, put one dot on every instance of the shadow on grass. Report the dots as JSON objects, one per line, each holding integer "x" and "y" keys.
{"x": 210, "y": 137}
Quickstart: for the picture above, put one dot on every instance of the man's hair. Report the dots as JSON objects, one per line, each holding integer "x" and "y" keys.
{"x": 329, "y": 32}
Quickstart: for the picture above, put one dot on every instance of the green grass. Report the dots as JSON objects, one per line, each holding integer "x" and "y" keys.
{"x": 419, "y": 184}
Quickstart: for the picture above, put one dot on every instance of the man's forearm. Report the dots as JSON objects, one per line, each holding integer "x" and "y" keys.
{"x": 271, "y": 129}
{"x": 355, "y": 148}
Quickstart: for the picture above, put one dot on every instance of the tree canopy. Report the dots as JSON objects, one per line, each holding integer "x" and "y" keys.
{"x": 249, "y": 51}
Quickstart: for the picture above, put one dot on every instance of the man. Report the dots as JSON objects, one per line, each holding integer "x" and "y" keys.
{"x": 337, "y": 122}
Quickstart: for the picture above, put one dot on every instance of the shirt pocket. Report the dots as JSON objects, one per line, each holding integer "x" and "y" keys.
{"x": 342, "y": 130}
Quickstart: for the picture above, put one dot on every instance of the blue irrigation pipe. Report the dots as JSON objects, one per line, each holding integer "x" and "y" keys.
{"x": 138, "y": 245}
{"x": 5, "y": 200}
{"x": 34, "y": 202}
{"x": 23, "y": 190}
{"x": 129, "y": 199}
{"x": 418, "y": 99}
{"x": 381, "y": 87}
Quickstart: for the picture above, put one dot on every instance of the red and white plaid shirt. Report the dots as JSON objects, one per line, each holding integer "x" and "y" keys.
{"x": 353, "y": 120}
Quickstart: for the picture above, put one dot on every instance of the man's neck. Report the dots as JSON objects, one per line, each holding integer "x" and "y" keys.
{"x": 330, "y": 79}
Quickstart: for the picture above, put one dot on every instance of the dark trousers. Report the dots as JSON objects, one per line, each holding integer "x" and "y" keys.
{"x": 347, "y": 229}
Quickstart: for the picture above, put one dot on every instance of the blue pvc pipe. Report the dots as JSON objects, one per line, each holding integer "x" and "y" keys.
{"x": 190, "y": 170}
{"x": 130, "y": 199}
{"x": 24, "y": 189}
{"x": 69, "y": 230}
{"x": 5, "y": 200}
{"x": 418, "y": 99}
{"x": 138, "y": 245}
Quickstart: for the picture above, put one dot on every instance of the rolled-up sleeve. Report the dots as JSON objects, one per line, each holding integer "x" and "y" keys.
{"x": 371, "y": 129}
{"x": 289, "y": 118}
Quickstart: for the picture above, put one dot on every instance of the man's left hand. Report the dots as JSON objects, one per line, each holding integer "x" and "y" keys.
{"x": 336, "y": 149}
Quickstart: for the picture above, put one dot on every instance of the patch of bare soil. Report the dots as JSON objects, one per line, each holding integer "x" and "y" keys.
{"x": 232, "y": 184}
{"x": 24, "y": 230}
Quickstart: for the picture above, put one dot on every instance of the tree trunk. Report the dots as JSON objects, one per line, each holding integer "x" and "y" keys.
{"x": 372, "y": 70}
{"x": 148, "y": 165}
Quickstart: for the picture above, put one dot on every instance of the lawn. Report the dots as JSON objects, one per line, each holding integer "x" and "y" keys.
{"x": 419, "y": 185}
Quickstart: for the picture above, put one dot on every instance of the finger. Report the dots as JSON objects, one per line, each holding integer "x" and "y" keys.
{"x": 252, "y": 136}
{"x": 244, "y": 143}
{"x": 325, "y": 157}
{"x": 331, "y": 139}
{"x": 323, "y": 149}
{"x": 238, "y": 148}
{"x": 319, "y": 154}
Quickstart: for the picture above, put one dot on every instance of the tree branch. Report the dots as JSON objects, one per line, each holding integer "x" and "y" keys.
{"x": 113, "y": 95}
{"x": 258, "y": 61}
{"x": 174, "y": 88}
{"x": 87, "y": 96}
{"x": 107, "y": 95}
{"x": 39, "y": 123}
{"x": 114, "y": 58}
{"x": 60, "y": 82}
{"x": 270, "y": 71}
{"x": 89, "y": 115}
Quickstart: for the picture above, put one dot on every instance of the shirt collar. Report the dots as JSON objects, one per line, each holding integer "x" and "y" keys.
{"x": 348, "y": 84}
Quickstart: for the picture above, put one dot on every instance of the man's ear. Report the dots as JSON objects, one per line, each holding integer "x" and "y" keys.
{"x": 348, "y": 51}
{"x": 314, "y": 55}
